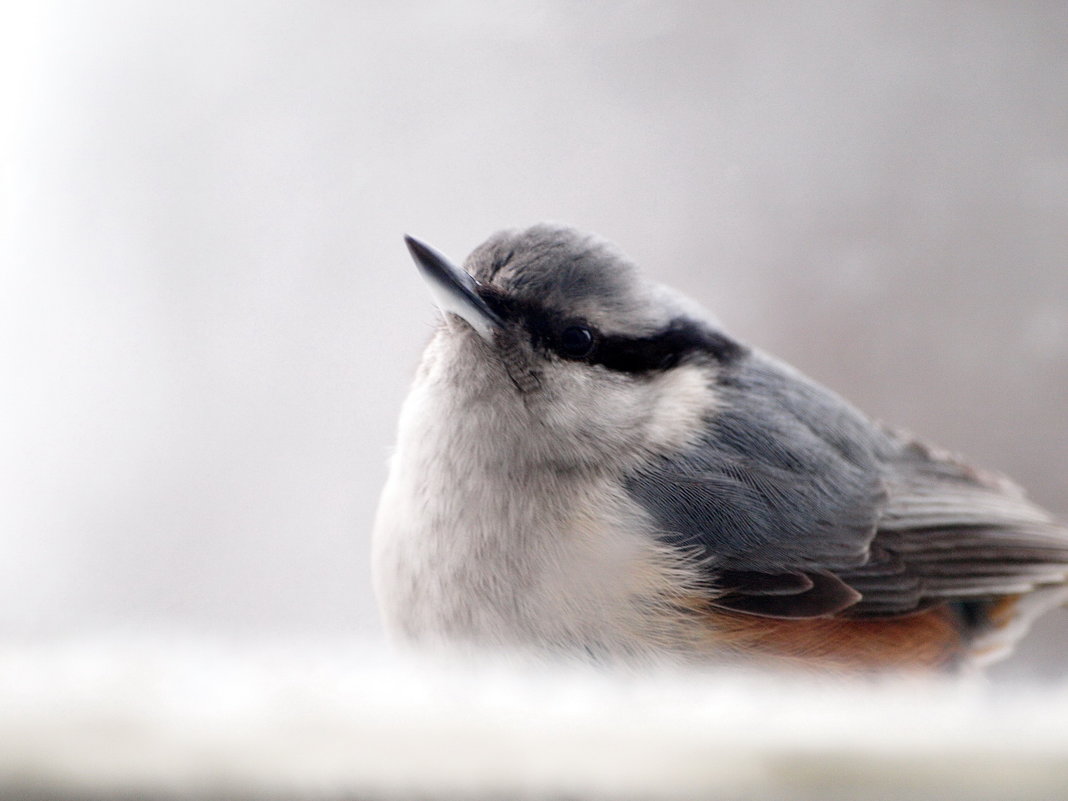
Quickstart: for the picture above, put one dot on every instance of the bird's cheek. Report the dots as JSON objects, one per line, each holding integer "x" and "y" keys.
{"x": 683, "y": 399}
{"x": 575, "y": 402}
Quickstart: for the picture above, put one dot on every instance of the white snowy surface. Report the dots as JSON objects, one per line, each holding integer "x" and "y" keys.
{"x": 188, "y": 719}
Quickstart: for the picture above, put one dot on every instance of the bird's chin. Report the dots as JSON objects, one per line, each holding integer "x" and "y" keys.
{"x": 504, "y": 359}
{"x": 517, "y": 364}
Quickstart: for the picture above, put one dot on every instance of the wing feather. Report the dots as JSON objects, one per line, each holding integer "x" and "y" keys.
{"x": 798, "y": 506}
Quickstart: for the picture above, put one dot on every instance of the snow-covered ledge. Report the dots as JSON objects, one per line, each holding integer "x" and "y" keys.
{"x": 181, "y": 719}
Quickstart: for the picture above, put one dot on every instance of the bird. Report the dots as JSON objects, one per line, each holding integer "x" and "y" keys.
{"x": 589, "y": 466}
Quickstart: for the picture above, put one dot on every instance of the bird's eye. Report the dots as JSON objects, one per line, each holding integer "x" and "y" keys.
{"x": 576, "y": 342}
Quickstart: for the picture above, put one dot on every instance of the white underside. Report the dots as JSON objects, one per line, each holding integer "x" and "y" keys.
{"x": 477, "y": 543}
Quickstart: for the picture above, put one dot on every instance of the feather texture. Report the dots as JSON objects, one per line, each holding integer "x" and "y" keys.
{"x": 798, "y": 507}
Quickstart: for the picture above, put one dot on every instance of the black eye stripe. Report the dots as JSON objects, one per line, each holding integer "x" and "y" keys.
{"x": 634, "y": 355}
{"x": 665, "y": 349}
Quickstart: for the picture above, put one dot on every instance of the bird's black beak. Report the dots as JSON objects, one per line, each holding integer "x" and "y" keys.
{"x": 454, "y": 290}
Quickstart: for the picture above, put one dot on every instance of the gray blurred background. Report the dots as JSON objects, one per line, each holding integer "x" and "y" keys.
{"x": 208, "y": 320}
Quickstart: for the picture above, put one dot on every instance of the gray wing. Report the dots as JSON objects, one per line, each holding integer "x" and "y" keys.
{"x": 951, "y": 532}
{"x": 797, "y": 505}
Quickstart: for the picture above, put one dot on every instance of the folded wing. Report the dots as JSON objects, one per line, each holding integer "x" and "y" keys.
{"x": 797, "y": 506}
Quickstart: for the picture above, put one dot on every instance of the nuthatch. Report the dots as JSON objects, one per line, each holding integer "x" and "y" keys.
{"x": 588, "y": 464}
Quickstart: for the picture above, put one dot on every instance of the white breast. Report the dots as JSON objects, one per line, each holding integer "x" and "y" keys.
{"x": 472, "y": 547}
